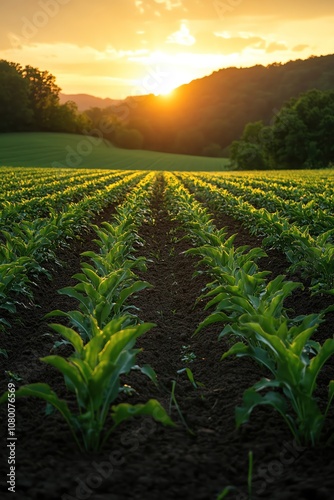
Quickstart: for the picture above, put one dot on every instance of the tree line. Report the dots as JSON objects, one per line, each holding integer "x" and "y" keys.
{"x": 29, "y": 101}
{"x": 300, "y": 135}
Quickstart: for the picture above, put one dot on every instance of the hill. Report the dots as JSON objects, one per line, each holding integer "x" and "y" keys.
{"x": 204, "y": 116}
{"x": 86, "y": 101}
{"x": 42, "y": 149}
{"x": 216, "y": 108}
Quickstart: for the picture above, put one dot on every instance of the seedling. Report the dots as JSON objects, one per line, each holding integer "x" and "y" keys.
{"x": 173, "y": 400}
{"x": 188, "y": 356}
{"x": 13, "y": 376}
{"x": 191, "y": 378}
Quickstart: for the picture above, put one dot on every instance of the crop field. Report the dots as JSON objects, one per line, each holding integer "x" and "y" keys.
{"x": 59, "y": 150}
{"x": 166, "y": 334}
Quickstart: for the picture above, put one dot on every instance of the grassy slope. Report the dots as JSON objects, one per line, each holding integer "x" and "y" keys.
{"x": 67, "y": 150}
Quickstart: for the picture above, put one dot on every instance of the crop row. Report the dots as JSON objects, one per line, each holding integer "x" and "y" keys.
{"x": 303, "y": 186}
{"x": 254, "y": 317}
{"x": 57, "y": 198}
{"x": 310, "y": 212}
{"x": 311, "y": 255}
{"x": 19, "y": 185}
{"x": 28, "y": 245}
{"x": 103, "y": 332}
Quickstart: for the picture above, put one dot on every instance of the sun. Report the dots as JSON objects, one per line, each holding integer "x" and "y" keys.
{"x": 165, "y": 92}
{"x": 168, "y": 85}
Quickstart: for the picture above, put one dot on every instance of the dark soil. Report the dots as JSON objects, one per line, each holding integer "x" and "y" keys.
{"x": 144, "y": 460}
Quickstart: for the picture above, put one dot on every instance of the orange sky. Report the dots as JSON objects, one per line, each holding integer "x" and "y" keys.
{"x": 114, "y": 49}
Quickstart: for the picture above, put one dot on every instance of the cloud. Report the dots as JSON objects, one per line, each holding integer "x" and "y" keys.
{"x": 226, "y": 43}
{"x": 169, "y": 4}
{"x": 284, "y": 9}
{"x": 300, "y": 48}
{"x": 99, "y": 24}
{"x": 276, "y": 47}
{"x": 158, "y": 7}
{"x": 182, "y": 37}
{"x": 122, "y": 40}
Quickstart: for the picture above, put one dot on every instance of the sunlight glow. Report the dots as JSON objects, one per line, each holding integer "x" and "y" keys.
{"x": 166, "y": 44}
{"x": 166, "y": 92}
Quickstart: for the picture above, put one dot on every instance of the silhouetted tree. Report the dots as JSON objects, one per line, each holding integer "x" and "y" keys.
{"x": 15, "y": 111}
{"x": 29, "y": 100}
{"x": 43, "y": 95}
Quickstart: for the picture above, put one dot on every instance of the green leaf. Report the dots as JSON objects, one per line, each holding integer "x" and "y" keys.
{"x": 93, "y": 349}
{"x": 239, "y": 349}
{"x": 330, "y": 396}
{"x": 114, "y": 326}
{"x": 316, "y": 364}
{"x": 299, "y": 342}
{"x": 223, "y": 494}
{"x": 152, "y": 408}
{"x": 99, "y": 381}
{"x": 109, "y": 283}
{"x": 94, "y": 278}
{"x": 72, "y": 336}
{"x": 124, "y": 339}
{"x": 213, "y": 318}
{"x": 71, "y": 292}
{"x": 191, "y": 377}
{"x": 252, "y": 398}
{"x": 72, "y": 375}
{"x": 43, "y": 391}
{"x": 135, "y": 287}
{"x": 148, "y": 371}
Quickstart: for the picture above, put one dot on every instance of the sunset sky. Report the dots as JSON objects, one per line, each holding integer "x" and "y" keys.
{"x": 114, "y": 49}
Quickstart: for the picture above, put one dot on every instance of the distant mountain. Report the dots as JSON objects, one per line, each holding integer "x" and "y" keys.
{"x": 86, "y": 101}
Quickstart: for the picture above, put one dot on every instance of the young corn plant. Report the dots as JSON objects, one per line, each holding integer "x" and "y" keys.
{"x": 93, "y": 374}
{"x": 294, "y": 362}
{"x": 13, "y": 284}
{"x": 102, "y": 298}
{"x": 314, "y": 258}
{"x": 243, "y": 293}
{"x": 33, "y": 239}
{"x": 221, "y": 258}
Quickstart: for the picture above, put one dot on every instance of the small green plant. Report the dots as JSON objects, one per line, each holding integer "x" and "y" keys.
{"x": 228, "y": 489}
{"x": 101, "y": 297}
{"x": 314, "y": 258}
{"x": 223, "y": 494}
{"x": 173, "y": 400}
{"x": 13, "y": 376}
{"x": 295, "y": 362}
{"x": 191, "y": 377}
{"x": 188, "y": 356}
{"x": 93, "y": 373}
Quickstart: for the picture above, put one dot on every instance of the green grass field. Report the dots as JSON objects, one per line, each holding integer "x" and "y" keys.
{"x": 77, "y": 151}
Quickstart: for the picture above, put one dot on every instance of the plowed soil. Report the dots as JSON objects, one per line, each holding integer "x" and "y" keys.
{"x": 144, "y": 460}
